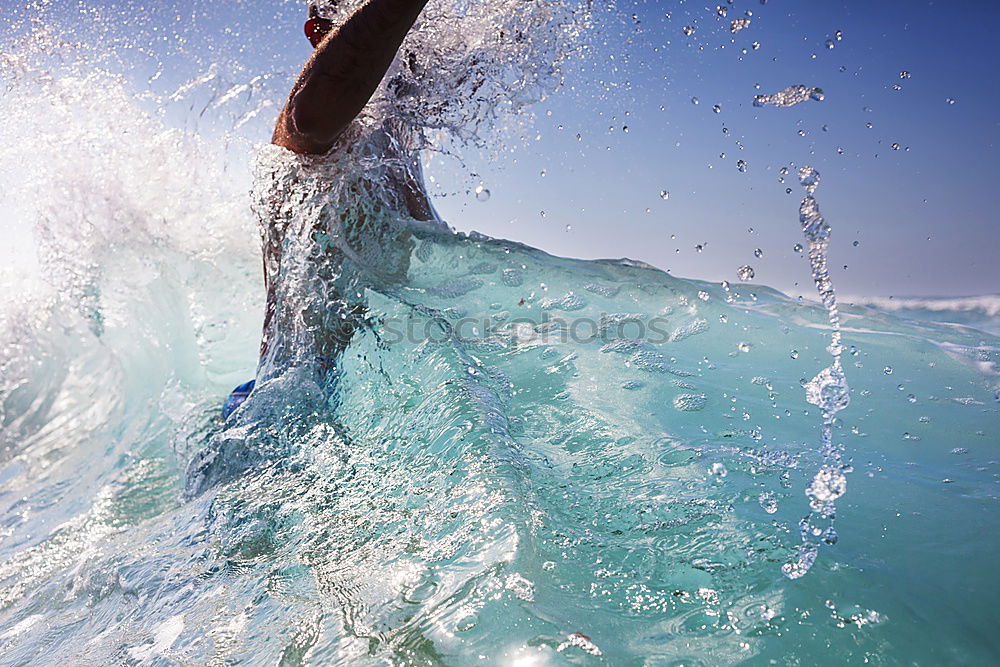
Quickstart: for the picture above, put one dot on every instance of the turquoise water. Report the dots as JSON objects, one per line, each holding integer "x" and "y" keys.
{"x": 526, "y": 460}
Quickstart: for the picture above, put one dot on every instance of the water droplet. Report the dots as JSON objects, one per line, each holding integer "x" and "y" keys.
{"x": 664, "y": 195}
{"x": 742, "y": 165}
{"x": 541, "y": 213}
{"x": 723, "y": 319}
{"x": 758, "y": 253}
{"x": 688, "y": 30}
{"x": 790, "y": 96}
{"x": 743, "y": 346}
{"x": 839, "y": 35}
{"x": 745, "y": 273}
{"x": 719, "y": 470}
{"x": 911, "y": 398}
{"x": 887, "y": 370}
{"x": 703, "y": 295}
{"x": 755, "y": 46}
{"x": 569, "y": 228}
{"x": 482, "y": 194}
{"x": 830, "y": 44}
{"x": 794, "y": 354}
{"x": 716, "y": 108}
{"x": 625, "y": 129}
{"x": 798, "y": 246}
{"x": 856, "y": 244}
{"x": 768, "y": 502}
{"x": 828, "y": 485}
{"x": 904, "y": 75}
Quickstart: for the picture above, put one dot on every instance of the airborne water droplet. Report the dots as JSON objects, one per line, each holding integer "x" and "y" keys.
{"x": 887, "y": 370}
{"x": 758, "y": 253}
{"x": 482, "y": 194}
{"x": 745, "y": 273}
{"x": 664, "y": 195}
{"x": 742, "y": 165}
{"x": 768, "y": 502}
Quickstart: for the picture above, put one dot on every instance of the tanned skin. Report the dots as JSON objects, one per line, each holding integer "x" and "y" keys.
{"x": 342, "y": 74}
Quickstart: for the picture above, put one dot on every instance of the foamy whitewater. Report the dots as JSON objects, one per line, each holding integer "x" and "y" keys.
{"x": 523, "y": 459}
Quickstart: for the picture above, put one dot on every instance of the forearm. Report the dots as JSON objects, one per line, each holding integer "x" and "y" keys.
{"x": 343, "y": 73}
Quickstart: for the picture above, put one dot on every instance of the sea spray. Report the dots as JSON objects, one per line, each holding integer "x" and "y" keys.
{"x": 828, "y": 391}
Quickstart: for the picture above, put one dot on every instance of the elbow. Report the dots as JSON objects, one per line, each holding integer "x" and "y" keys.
{"x": 313, "y": 129}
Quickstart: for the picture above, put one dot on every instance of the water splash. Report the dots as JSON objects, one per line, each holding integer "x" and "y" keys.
{"x": 828, "y": 391}
{"x": 790, "y": 96}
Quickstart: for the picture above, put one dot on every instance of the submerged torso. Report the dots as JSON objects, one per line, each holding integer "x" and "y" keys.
{"x": 332, "y": 226}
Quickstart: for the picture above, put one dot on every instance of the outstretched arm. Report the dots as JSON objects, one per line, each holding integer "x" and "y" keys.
{"x": 342, "y": 75}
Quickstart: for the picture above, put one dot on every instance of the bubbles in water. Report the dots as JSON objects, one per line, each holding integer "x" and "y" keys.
{"x": 758, "y": 253}
{"x": 768, "y": 502}
{"x": 719, "y": 470}
{"x": 745, "y": 273}
{"x": 790, "y": 96}
{"x": 482, "y": 194}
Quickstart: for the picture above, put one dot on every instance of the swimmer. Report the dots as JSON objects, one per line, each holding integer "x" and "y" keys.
{"x": 319, "y": 124}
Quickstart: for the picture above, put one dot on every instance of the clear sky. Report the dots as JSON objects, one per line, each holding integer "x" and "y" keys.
{"x": 919, "y": 220}
{"x": 923, "y": 216}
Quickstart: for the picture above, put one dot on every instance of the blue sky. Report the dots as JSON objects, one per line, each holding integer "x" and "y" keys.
{"x": 923, "y": 218}
{"x": 906, "y": 222}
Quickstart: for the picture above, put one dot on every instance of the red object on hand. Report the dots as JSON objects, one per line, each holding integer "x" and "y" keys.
{"x": 316, "y": 29}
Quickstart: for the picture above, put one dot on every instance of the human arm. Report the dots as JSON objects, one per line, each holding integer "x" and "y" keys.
{"x": 342, "y": 74}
